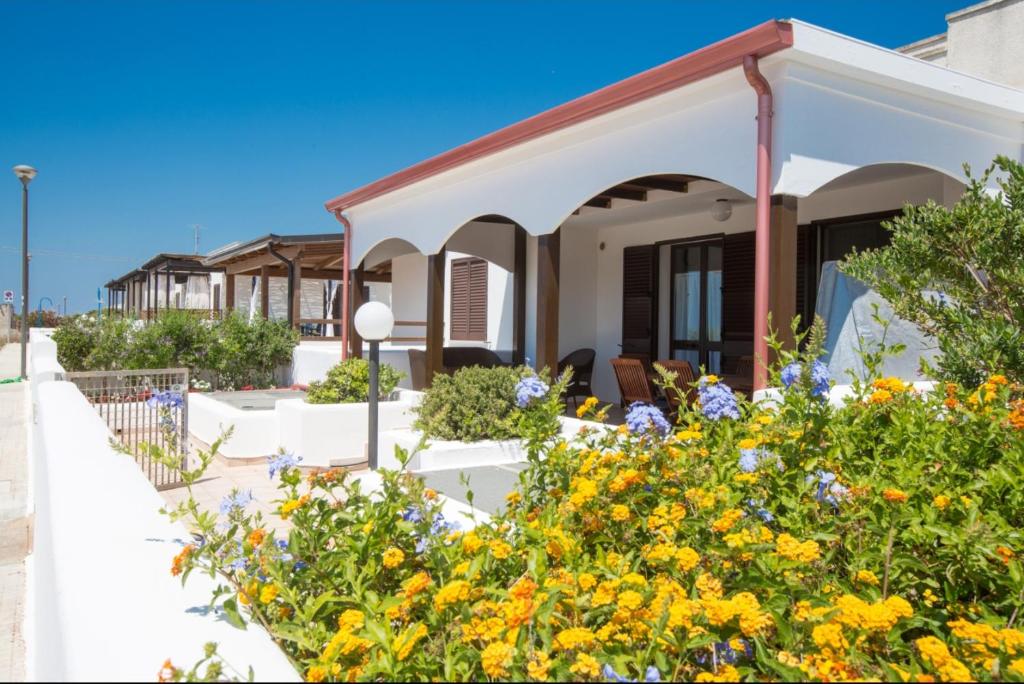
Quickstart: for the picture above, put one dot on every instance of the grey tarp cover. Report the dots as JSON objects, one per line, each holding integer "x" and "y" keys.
{"x": 847, "y": 307}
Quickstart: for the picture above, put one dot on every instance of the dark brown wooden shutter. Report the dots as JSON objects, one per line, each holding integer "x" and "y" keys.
{"x": 468, "y": 312}
{"x": 639, "y": 299}
{"x": 738, "y": 287}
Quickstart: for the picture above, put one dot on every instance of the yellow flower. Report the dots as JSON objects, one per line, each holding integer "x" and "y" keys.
{"x": 471, "y": 543}
{"x": 866, "y": 577}
{"x": 403, "y": 644}
{"x": 292, "y": 505}
{"x": 708, "y": 587}
{"x": 574, "y": 638}
{"x": 929, "y": 597}
{"x": 789, "y": 547}
{"x": 538, "y": 667}
{"x": 725, "y": 673}
{"x": 966, "y": 501}
{"x": 496, "y": 658}
{"x": 316, "y": 673}
{"x": 620, "y": 513}
{"x": 429, "y": 494}
{"x": 687, "y": 559}
{"x": 351, "y": 620}
{"x": 499, "y": 549}
{"x": 513, "y": 498}
{"x": 748, "y": 443}
{"x": 268, "y": 593}
{"x": 584, "y": 490}
{"x": 455, "y": 591}
{"x": 880, "y": 396}
{"x": 830, "y": 639}
{"x": 586, "y": 581}
{"x": 940, "y": 502}
{"x": 585, "y": 666}
{"x": 393, "y": 557}
{"x": 630, "y": 600}
{"x": 935, "y": 653}
{"x": 256, "y": 537}
{"x": 586, "y": 407}
{"x": 711, "y": 379}
{"x": 727, "y": 521}
{"x": 417, "y": 583}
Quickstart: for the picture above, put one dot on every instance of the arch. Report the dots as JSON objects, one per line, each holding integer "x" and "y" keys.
{"x": 488, "y": 236}
{"x": 824, "y": 174}
{"x": 385, "y": 250}
{"x": 596, "y": 190}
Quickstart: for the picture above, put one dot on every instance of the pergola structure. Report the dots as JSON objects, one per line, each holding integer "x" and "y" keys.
{"x": 295, "y": 257}
{"x": 159, "y": 275}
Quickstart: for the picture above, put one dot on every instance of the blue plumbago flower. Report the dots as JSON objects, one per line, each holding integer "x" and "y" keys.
{"x": 652, "y": 674}
{"x": 412, "y": 514}
{"x": 820, "y": 377}
{"x": 717, "y": 400}
{"x": 529, "y": 388}
{"x": 761, "y": 513}
{"x": 829, "y": 491}
{"x": 300, "y": 565}
{"x": 168, "y": 399}
{"x": 642, "y": 418}
{"x": 236, "y": 500}
{"x": 749, "y": 459}
{"x": 609, "y": 673}
{"x": 239, "y": 564}
{"x": 281, "y": 462}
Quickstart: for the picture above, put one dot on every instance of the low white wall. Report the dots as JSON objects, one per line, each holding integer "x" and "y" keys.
{"x": 451, "y": 455}
{"x": 102, "y": 602}
{"x": 256, "y": 433}
{"x": 838, "y": 395}
{"x": 335, "y": 434}
{"x": 312, "y": 360}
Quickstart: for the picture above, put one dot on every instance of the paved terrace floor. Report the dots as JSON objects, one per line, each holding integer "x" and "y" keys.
{"x": 14, "y": 524}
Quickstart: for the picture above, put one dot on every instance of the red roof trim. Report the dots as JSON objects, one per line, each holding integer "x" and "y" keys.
{"x": 761, "y": 40}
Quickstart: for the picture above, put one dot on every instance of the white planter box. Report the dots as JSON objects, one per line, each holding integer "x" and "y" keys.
{"x": 335, "y": 434}
{"x": 448, "y": 455}
{"x": 255, "y": 432}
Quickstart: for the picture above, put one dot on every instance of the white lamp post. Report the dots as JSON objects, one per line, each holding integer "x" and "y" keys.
{"x": 25, "y": 174}
{"x": 374, "y": 322}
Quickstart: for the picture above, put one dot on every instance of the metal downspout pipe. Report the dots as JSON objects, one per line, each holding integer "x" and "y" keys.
{"x": 762, "y": 264}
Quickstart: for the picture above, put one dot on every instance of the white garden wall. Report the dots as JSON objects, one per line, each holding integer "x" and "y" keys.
{"x": 103, "y": 605}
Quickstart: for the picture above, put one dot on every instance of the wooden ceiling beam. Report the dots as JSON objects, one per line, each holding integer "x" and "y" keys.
{"x": 254, "y": 262}
{"x": 623, "y": 192}
{"x": 601, "y": 202}
{"x": 661, "y": 183}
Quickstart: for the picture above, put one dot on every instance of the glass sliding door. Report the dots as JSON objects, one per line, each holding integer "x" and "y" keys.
{"x": 696, "y": 306}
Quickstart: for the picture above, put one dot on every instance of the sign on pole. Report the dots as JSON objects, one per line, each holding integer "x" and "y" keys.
{"x": 8, "y": 296}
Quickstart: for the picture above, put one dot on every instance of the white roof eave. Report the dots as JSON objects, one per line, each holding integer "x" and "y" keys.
{"x": 848, "y": 56}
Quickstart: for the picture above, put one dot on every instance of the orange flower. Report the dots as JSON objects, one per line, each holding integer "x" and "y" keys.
{"x": 256, "y": 537}
{"x": 180, "y": 560}
{"x": 1005, "y": 553}
{"x": 895, "y": 495}
{"x": 167, "y": 672}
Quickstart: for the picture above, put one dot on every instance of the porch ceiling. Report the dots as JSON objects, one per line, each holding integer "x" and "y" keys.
{"x": 318, "y": 255}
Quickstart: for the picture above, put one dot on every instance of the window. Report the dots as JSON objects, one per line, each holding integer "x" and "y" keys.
{"x": 469, "y": 299}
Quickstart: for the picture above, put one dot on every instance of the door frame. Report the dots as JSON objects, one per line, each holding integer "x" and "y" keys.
{"x": 703, "y": 346}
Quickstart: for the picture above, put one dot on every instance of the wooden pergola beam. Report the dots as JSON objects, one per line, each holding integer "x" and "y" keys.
{"x": 660, "y": 183}
{"x": 600, "y": 202}
{"x": 623, "y": 192}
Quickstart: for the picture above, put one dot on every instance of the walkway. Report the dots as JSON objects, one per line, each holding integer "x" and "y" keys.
{"x": 14, "y": 525}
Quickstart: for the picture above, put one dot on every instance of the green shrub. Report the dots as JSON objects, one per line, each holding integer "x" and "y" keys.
{"x": 113, "y": 344}
{"x": 476, "y": 404}
{"x": 970, "y": 253}
{"x": 247, "y": 353}
{"x": 75, "y": 338}
{"x": 349, "y": 382}
{"x": 176, "y": 339}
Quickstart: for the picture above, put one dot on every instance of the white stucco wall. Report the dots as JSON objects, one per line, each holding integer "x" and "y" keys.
{"x": 987, "y": 40}
{"x": 101, "y": 602}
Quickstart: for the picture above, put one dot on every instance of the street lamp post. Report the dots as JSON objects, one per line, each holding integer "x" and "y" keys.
{"x": 374, "y": 322}
{"x": 25, "y": 174}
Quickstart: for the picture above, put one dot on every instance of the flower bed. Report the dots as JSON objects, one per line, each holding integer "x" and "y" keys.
{"x": 876, "y": 540}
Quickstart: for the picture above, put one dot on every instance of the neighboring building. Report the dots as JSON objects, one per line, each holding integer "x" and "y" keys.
{"x": 166, "y": 281}
{"x": 633, "y": 219}
{"x": 984, "y": 40}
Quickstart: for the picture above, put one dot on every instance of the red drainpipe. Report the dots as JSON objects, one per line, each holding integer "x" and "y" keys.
{"x": 346, "y": 253}
{"x": 764, "y": 178}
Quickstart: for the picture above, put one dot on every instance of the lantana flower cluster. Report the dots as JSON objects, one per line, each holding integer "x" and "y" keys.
{"x": 878, "y": 540}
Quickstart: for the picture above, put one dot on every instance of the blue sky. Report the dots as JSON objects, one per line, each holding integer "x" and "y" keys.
{"x": 145, "y": 118}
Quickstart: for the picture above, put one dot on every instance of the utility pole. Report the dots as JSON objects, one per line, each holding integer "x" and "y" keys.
{"x": 196, "y": 228}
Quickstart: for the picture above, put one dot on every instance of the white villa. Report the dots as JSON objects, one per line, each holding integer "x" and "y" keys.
{"x": 665, "y": 216}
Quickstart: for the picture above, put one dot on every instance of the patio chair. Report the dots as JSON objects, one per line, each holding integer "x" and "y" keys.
{"x": 634, "y": 384}
{"x": 582, "y": 363}
{"x": 454, "y": 358}
{"x": 418, "y": 369}
{"x": 683, "y": 393}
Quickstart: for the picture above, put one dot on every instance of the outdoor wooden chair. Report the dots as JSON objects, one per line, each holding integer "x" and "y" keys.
{"x": 418, "y": 369}
{"x": 582, "y": 363}
{"x": 683, "y": 393}
{"x": 634, "y": 383}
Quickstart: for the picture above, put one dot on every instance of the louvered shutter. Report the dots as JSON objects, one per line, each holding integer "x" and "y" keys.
{"x": 738, "y": 287}
{"x": 639, "y": 299}
{"x": 468, "y": 312}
